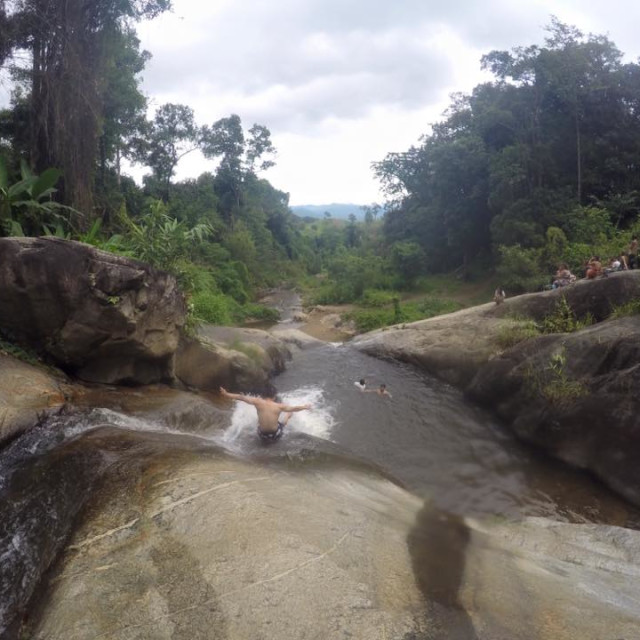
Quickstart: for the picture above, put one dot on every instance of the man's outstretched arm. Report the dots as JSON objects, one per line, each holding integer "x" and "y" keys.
{"x": 237, "y": 396}
{"x": 291, "y": 408}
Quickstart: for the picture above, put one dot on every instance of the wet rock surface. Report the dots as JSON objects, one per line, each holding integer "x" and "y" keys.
{"x": 181, "y": 545}
{"x": 179, "y": 540}
{"x": 26, "y": 393}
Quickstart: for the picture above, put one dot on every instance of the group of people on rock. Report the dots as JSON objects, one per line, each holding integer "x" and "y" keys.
{"x": 594, "y": 267}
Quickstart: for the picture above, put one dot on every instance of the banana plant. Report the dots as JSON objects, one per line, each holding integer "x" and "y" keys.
{"x": 31, "y": 193}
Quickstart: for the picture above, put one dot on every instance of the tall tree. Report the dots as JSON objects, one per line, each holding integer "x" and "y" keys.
{"x": 240, "y": 157}
{"x": 170, "y": 136}
{"x": 67, "y": 40}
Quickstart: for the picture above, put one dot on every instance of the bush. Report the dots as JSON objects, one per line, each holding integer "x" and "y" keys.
{"x": 368, "y": 320}
{"x": 564, "y": 320}
{"x": 214, "y": 308}
{"x": 252, "y": 311}
{"x": 553, "y": 383}
{"x": 377, "y": 298}
{"x": 519, "y": 270}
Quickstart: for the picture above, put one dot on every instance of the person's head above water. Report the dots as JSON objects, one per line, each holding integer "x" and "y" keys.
{"x": 362, "y": 382}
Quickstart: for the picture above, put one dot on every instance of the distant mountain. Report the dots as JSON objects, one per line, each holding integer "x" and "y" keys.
{"x": 341, "y": 211}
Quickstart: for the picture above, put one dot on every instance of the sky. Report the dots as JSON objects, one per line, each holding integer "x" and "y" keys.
{"x": 341, "y": 83}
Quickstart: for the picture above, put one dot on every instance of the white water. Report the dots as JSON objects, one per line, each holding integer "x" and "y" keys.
{"x": 318, "y": 422}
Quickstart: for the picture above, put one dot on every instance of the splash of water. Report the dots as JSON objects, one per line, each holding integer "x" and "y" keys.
{"x": 317, "y": 422}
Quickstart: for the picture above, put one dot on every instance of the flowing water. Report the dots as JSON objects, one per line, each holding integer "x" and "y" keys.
{"x": 425, "y": 435}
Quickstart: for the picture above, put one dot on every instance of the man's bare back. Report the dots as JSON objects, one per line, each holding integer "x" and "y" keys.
{"x": 268, "y": 411}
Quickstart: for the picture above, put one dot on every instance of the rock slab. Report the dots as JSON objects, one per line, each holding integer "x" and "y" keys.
{"x": 100, "y": 317}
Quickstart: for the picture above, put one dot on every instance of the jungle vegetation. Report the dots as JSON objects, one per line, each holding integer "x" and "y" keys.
{"x": 539, "y": 165}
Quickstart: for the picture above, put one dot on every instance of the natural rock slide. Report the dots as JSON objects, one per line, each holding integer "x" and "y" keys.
{"x": 152, "y": 527}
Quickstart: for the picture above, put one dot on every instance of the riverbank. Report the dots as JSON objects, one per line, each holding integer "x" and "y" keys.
{"x": 571, "y": 394}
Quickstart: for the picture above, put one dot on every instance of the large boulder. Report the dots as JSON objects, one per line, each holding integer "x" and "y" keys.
{"x": 574, "y": 396}
{"x": 205, "y": 365}
{"x": 98, "y": 316}
{"x": 239, "y": 359}
{"x": 199, "y": 545}
{"x": 179, "y": 540}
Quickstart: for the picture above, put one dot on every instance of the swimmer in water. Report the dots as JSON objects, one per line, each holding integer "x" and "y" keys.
{"x": 381, "y": 391}
{"x": 361, "y": 384}
{"x": 270, "y": 427}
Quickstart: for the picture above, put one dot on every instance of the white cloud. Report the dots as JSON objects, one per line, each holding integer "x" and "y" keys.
{"x": 342, "y": 82}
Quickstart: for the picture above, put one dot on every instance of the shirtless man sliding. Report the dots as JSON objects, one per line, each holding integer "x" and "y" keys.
{"x": 270, "y": 427}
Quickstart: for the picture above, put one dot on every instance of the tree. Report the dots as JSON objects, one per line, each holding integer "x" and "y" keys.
{"x": 239, "y": 158}
{"x": 169, "y": 137}
{"x": 67, "y": 41}
{"x": 556, "y": 130}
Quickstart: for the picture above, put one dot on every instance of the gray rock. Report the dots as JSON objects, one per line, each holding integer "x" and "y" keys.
{"x": 100, "y": 317}
{"x": 574, "y": 396}
{"x": 210, "y": 547}
{"x": 26, "y": 393}
{"x": 206, "y": 365}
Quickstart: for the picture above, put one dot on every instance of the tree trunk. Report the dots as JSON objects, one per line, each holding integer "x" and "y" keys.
{"x": 578, "y": 158}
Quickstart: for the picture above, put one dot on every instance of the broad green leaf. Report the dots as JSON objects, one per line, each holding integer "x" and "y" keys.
{"x": 25, "y": 170}
{"x": 45, "y": 182}
{"x": 15, "y": 229}
{"x": 23, "y": 186}
{"x": 4, "y": 174}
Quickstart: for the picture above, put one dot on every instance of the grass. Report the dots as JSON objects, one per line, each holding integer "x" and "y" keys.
{"x": 631, "y": 308}
{"x": 397, "y": 312}
{"x": 552, "y": 382}
{"x": 516, "y": 331}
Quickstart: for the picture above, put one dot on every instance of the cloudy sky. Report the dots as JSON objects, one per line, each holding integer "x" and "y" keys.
{"x": 340, "y": 83}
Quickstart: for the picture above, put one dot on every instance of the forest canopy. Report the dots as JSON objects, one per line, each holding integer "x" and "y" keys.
{"x": 539, "y": 165}
{"x": 548, "y": 153}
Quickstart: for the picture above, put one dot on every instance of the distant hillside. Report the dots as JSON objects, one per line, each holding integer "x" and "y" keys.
{"x": 341, "y": 211}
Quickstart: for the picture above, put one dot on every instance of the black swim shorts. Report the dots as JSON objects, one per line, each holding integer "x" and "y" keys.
{"x": 273, "y": 435}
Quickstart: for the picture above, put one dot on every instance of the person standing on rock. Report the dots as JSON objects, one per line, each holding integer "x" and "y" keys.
{"x": 270, "y": 427}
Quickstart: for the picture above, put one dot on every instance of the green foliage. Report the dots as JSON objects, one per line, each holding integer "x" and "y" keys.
{"x": 214, "y": 308}
{"x": 162, "y": 241}
{"x": 589, "y": 225}
{"x": 631, "y": 308}
{"x": 9, "y": 348}
{"x": 563, "y": 319}
{"x": 519, "y": 270}
{"x": 408, "y": 260}
{"x": 369, "y": 319}
{"x": 553, "y": 382}
{"x": 516, "y": 331}
{"x": 26, "y": 205}
{"x": 377, "y": 298}
{"x": 544, "y": 157}
{"x": 252, "y": 311}
{"x": 349, "y": 276}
